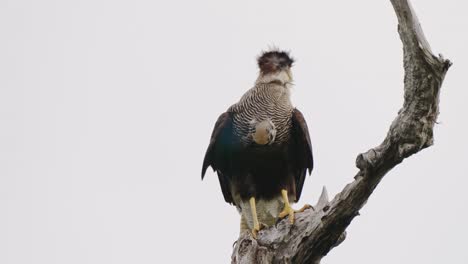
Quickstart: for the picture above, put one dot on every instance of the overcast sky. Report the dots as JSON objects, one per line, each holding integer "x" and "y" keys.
{"x": 106, "y": 109}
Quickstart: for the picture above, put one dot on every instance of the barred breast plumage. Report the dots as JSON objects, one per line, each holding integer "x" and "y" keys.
{"x": 265, "y": 101}
{"x": 260, "y": 147}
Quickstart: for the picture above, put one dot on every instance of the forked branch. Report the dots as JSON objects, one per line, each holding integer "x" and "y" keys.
{"x": 318, "y": 230}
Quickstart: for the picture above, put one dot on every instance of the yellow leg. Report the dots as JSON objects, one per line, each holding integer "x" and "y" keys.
{"x": 256, "y": 224}
{"x": 288, "y": 211}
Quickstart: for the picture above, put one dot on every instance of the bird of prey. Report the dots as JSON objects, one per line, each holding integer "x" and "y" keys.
{"x": 260, "y": 147}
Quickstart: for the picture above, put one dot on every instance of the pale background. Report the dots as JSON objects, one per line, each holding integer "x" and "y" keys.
{"x": 106, "y": 108}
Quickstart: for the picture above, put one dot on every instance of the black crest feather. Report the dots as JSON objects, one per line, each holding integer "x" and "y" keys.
{"x": 272, "y": 61}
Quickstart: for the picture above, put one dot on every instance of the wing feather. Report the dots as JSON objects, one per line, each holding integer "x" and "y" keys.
{"x": 301, "y": 151}
{"x": 218, "y": 153}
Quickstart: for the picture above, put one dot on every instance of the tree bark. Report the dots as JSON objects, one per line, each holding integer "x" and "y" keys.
{"x": 316, "y": 231}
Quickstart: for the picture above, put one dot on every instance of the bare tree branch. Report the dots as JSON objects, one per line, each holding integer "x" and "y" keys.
{"x": 318, "y": 230}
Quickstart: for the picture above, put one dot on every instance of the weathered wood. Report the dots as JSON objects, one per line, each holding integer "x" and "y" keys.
{"x": 316, "y": 231}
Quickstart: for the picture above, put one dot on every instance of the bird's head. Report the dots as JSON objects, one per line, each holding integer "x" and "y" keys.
{"x": 276, "y": 66}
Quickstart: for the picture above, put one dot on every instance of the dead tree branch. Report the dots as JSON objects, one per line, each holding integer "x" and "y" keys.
{"x": 318, "y": 230}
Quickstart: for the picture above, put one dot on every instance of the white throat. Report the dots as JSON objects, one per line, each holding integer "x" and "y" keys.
{"x": 284, "y": 77}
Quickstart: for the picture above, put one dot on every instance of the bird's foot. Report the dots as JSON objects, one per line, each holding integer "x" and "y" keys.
{"x": 256, "y": 229}
{"x": 289, "y": 211}
{"x": 305, "y": 207}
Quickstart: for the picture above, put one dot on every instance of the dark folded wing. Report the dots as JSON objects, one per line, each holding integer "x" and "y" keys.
{"x": 218, "y": 153}
{"x": 301, "y": 150}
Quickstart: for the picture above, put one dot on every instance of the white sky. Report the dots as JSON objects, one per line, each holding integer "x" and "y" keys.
{"x": 106, "y": 109}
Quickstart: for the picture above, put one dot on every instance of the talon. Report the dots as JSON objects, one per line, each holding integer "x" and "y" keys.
{"x": 305, "y": 207}
{"x": 287, "y": 211}
{"x": 255, "y": 232}
{"x": 257, "y": 229}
